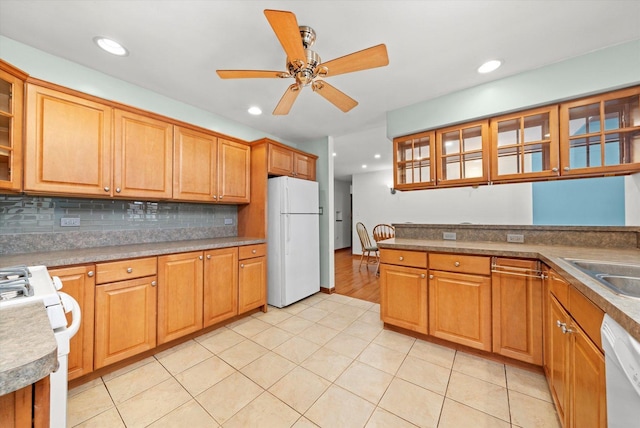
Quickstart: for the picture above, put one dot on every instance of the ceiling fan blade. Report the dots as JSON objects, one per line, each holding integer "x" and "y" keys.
{"x": 285, "y": 25}
{"x": 287, "y": 100}
{"x": 336, "y": 97}
{"x": 250, "y": 74}
{"x": 372, "y": 57}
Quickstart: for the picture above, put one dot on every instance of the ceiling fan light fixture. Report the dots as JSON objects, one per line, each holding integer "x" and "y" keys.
{"x": 255, "y": 111}
{"x": 110, "y": 46}
{"x": 489, "y": 66}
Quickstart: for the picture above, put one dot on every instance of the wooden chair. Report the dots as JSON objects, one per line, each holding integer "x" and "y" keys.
{"x": 367, "y": 246}
{"x": 380, "y": 233}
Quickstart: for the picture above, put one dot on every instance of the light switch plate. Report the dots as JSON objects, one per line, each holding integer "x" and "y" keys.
{"x": 513, "y": 237}
{"x": 228, "y": 221}
{"x": 449, "y": 236}
{"x": 69, "y": 221}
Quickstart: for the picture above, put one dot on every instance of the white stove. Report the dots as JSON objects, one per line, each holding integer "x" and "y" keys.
{"x": 22, "y": 284}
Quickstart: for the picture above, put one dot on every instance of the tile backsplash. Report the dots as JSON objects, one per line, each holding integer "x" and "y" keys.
{"x": 26, "y": 220}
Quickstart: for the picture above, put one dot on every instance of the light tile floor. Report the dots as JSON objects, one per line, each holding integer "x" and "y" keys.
{"x": 325, "y": 361}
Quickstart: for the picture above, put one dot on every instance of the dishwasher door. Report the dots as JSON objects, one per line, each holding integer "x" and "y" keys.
{"x": 622, "y": 364}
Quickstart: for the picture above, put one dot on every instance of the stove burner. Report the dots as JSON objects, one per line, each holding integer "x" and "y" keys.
{"x": 14, "y": 282}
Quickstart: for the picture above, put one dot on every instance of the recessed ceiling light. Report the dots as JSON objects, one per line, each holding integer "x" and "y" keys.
{"x": 377, "y": 156}
{"x": 111, "y": 46}
{"x": 489, "y": 66}
{"x": 334, "y": 154}
{"x": 364, "y": 166}
{"x": 256, "y": 111}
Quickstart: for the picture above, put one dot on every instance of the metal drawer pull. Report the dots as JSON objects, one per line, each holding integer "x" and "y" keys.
{"x": 154, "y": 283}
{"x": 129, "y": 270}
{"x": 457, "y": 264}
{"x": 401, "y": 258}
{"x": 242, "y": 265}
{"x": 90, "y": 273}
{"x": 253, "y": 251}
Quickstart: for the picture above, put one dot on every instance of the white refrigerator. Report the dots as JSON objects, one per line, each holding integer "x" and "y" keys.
{"x": 293, "y": 240}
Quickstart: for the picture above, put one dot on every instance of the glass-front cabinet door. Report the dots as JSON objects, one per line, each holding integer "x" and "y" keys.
{"x": 11, "y": 105}
{"x": 601, "y": 134}
{"x": 414, "y": 161}
{"x": 525, "y": 145}
{"x": 462, "y": 154}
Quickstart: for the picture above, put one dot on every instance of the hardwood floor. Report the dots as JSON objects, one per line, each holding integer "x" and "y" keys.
{"x": 351, "y": 281}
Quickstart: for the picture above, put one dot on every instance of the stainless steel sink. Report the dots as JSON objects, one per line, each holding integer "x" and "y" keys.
{"x": 621, "y": 278}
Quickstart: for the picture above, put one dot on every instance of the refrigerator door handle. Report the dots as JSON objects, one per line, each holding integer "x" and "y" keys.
{"x": 287, "y": 233}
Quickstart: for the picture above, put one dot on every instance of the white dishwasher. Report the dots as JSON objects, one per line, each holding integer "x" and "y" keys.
{"x": 622, "y": 364}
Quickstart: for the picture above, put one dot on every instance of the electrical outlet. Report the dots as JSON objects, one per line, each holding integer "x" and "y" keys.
{"x": 228, "y": 221}
{"x": 449, "y": 236}
{"x": 69, "y": 221}
{"x": 513, "y": 237}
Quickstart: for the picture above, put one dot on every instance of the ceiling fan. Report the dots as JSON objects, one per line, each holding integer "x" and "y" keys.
{"x": 305, "y": 65}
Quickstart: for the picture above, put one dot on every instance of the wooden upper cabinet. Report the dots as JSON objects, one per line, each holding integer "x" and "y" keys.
{"x": 234, "y": 170}
{"x": 525, "y": 145}
{"x": 414, "y": 159}
{"x": 11, "y": 123}
{"x": 601, "y": 134}
{"x": 283, "y": 160}
{"x": 462, "y": 154}
{"x": 210, "y": 169}
{"x": 68, "y": 144}
{"x": 195, "y": 165}
{"x": 143, "y": 156}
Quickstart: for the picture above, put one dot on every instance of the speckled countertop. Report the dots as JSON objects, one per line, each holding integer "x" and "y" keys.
{"x": 120, "y": 252}
{"x": 28, "y": 349}
{"x": 625, "y": 310}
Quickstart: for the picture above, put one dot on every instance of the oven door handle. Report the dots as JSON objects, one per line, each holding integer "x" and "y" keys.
{"x": 70, "y": 304}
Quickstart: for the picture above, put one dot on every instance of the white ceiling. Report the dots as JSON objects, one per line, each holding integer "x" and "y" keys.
{"x": 434, "y": 48}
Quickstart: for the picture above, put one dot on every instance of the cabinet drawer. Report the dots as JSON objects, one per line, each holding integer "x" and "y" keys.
{"x": 587, "y": 314}
{"x": 404, "y": 258}
{"x": 479, "y": 265}
{"x": 249, "y": 251}
{"x": 125, "y": 269}
{"x": 559, "y": 288}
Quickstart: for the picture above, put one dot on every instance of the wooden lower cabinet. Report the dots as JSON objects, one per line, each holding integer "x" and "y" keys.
{"x": 180, "y": 294}
{"x": 574, "y": 365}
{"x": 516, "y": 301}
{"x": 125, "y": 322}
{"x": 460, "y": 308}
{"x": 220, "y": 285}
{"x": 28, "y": 407}
{"x": 79, "y": 283}
{"x": 252, "y": 284}
{"x": 403, "y": 297}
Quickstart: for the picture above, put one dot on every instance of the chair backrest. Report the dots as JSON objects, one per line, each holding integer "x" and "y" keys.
{"x": 383, "y": 231}
{"x": 363, "y": 235}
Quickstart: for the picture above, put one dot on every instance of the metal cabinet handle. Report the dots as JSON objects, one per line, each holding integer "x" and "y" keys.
{"x": 242, "y": 265}
{"x": 254, "y": 251}
{"x": 566, "y": 168}
{"x": 208, "y": 256}
{"x": 129, "y": 270}
{"x": 107, "y": 188}
{"x": 422, "y": 276}
{"x": 220, "y": 197}
{"x": 117, "y": 190}
{"x": 154, "y": 283}
{"x": 90, "y": 273}
{"x": 201, "y": 257}
{"x": 554, "y": 169}
{"x": 457, "y": 264}
{"x": 401, "y": 258}
{"x": 430, "y": 276}
{"x": 215, "y": 197}
{"x": 566, "y": 330}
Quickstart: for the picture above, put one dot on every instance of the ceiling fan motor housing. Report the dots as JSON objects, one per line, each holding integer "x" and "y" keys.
{"x": 308, "y": 36}
{"x": 304, "y": 75}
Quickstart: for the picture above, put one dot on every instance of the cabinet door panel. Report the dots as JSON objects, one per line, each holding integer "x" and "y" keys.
{"x": 143, "y": 161}
{"x": 233, "y": 172}
{"x": 460, "y": 308}
{"x": 558, "y": 358}
{"x": 125, "y": 322}
{"x": 517, "y": 314}
{"x": 252, "y": 284}
{"x": 304, "y": 167}
{"x": 280, "y": 160}
{"x": 11, "y": 125}
{"x": 79, "y": 283}
{"x": 220, "y": 285}
{"x": 68, "y": 144}
{"x": 195, "y": 160}
{"x": 179, "y": 295}
{"x": 588, "y": 381}
{"x": 403, "y": 297}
